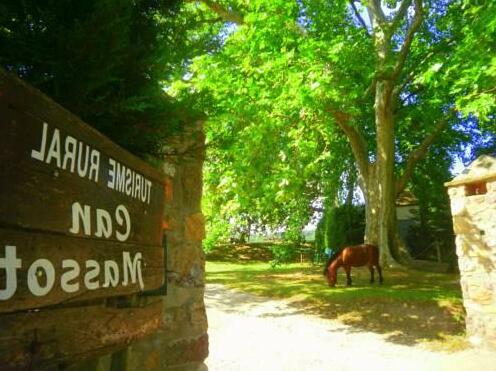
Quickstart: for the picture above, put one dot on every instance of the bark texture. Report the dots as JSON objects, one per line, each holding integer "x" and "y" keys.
{"x": 377, "y": 178}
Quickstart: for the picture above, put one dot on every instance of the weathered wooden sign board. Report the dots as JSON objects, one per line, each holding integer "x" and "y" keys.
{"x": 80, "y": 219}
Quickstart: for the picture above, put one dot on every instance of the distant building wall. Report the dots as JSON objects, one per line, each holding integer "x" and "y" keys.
{"x": 407, "y": 211}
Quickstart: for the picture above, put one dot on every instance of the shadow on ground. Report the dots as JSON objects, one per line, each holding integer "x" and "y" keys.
{"x": 409, "y": 308}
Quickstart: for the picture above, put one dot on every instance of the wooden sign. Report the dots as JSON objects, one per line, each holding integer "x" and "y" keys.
{"x": 80, "y": 218}
{"x": 87, "y": 333}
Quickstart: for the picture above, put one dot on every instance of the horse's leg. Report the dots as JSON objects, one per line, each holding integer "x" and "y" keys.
{"x": 371, "y": 269}
{"x": 379, "y": 271}
{"x": 347, "y": 268}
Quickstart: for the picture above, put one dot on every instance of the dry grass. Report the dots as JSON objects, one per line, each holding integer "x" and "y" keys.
{"x": 411, "y": 307}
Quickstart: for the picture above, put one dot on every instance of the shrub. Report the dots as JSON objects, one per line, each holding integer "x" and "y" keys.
{"x": 341, "y": 226}
{"x": 283, "y": 254}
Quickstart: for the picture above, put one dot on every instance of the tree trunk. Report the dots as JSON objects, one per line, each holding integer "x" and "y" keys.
{"x": 385, "y": 168}
{"x": 371, "y": 194}
{"x": 350, "y": 186}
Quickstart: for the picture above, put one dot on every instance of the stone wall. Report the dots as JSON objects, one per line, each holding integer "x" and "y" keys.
{"x": 182, "y": 343}
{"x": 473, "y": 207}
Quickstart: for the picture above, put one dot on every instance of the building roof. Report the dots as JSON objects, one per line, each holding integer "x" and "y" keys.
{"x": 482, "y": 169}
{"x": 406, "y": 198}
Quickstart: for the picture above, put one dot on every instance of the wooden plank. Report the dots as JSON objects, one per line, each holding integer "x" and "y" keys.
{"x": 22, "y": 97}
{"x": 81, "y": 219}
{"x": 55, "y": 338}
{"x": 38, "y": 195}
{"x": 32, "y": 287}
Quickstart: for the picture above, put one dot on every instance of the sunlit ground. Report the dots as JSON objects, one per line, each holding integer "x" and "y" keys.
{"x": 410, "y": 307}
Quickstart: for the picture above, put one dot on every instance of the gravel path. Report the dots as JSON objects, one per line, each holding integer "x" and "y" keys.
{"x": 249, "y": 333}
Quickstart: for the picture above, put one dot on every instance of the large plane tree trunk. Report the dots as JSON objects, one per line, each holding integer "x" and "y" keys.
{"x": 377, "y": 178}
{"x": 384, "y": 122}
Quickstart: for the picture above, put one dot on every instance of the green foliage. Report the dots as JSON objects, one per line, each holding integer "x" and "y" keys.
{"x": 269, "y": 141}
{"x": 434, "y": 218}
{"x": 340, "y": 226}
{"x": 283, "y": 254}
{"x": 272, "y": 90}
{"x": 217, "y": 232}
{"x": 473, "y": 66}
{"x": 104, "y": 60}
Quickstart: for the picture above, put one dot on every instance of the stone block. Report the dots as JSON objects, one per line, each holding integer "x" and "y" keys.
{"x": 187, "y": 351}
{"x": 188, "y": 367}
{"x": 174, "y": 224}
{"x": 169, "y": 169}
{"x": 178, "y": 296}
{"x": 185, "y": 323}
{"x": 182, "y": 343}
{"x": 182, "y": 257}
{"x": 199, "y": 315}
{"x": 490, "y": 239}
{"x": 474, "y": 222}
{"x": 476, "y": 204}
{"x": 482, "y": 294}
{"x": 464, "y": 287}
{"x": 490, "y": 324}
{"x": 467, "y": 264}
{"x": 195, "y": 227}
{"x": 462, "y": 245}
{"x": 471, "y": 245}
{"x": 458, "y": 205}
{"x": 457, "y": 192}
{"x": 475, "y": 326}
{"x": 152, "y": 360}
{"x": 491, "y": 187}
{"x": 192, "y": 185}
{"x": 462, "y": 224}
{"x": 168, "y": 190}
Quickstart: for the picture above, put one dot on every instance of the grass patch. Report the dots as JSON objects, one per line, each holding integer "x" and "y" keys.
{"x": 411, "y": 307}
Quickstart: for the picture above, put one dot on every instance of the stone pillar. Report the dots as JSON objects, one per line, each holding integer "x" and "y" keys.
{"x": 182, "y": 344}
{"x": 473, "y": 207}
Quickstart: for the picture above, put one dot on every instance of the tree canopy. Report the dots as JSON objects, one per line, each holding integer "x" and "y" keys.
{"x": 303, "y": 94}
{"x": 107, "y": 61}
{"x": 305, "y": 100}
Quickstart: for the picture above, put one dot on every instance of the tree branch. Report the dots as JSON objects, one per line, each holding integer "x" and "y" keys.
{"x": 405, "y": 48}
{"x": 357, "y": 141}
{"x": 433, "y": 52}
{"x": 419, "y": 153}
{"x": 371, "y": 88}
{"x": 227, "y": 14}
{"x": 375, "y": 9}
{"x": 405, "y": 4}
{"x": 359, "y": 17}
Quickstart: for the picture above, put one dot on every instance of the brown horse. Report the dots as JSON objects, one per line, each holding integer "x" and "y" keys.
{"x": 354, "y": 256}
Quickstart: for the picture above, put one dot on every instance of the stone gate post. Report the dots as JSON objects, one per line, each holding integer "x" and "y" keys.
{"x": 473, "y": 207}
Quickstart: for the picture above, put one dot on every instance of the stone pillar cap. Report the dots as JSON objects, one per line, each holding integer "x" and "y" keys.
{"x": 482, "y": 169}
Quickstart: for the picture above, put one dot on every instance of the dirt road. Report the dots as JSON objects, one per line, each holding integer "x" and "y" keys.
{"x": 249, "y": 333}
